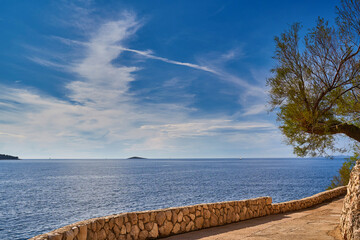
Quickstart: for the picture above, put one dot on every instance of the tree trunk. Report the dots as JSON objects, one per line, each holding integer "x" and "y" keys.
{"x": 349, "y": 130}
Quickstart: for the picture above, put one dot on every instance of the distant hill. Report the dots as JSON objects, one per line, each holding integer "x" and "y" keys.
{"x": 136, "y": 158}
{"x": 8, "y": 157}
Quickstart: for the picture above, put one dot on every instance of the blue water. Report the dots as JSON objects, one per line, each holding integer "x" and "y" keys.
{"x": 37, "y": 196}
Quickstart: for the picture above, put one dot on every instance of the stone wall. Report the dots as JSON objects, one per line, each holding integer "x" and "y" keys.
{"x": 170, "y": 221}
{"x": 350, "y": 216}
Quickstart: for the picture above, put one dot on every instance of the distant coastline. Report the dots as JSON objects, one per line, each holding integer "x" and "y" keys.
{"x": 8, "y": 157}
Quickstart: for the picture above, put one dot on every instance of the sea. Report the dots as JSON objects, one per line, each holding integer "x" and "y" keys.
{"x": 37, "y": 196}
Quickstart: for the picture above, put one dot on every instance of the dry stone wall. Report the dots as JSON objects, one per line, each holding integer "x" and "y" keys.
{"x": 170, "y": 221}
{"x": 350, "y": 216}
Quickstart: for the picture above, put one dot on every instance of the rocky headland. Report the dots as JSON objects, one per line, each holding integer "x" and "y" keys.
{"x": 8, "y": 157}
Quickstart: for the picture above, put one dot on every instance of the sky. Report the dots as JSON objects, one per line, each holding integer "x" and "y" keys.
{"x": 158, "y": 79}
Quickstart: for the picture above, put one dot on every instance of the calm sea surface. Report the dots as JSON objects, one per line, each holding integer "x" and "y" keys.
{"x": 37, "y": 196}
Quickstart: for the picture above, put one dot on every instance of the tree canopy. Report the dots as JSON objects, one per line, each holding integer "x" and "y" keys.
{"x": 315, "y": 87}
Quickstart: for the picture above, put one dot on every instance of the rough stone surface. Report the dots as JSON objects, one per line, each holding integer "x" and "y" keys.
{"x": 55, "y": 237}
{"x": 69, "y": 235}
{"x": 206, "y": 214}
{"x": 149, "y": 226}
{"x": 160, "y": 218}
{"x": 213, "y": 220}
{"x": 189, "y": 227}
{"x": 111, "y": 223}
{"x": 141, "y": 225}
{"x": 101, "y": 235}
{"x": 174, "y": 217}
{"x": 199, "y": 222}
{"x": 119, "y": 221}
{"x": 123, "y": 230}
{"x": 350, "y": 216}
{"x": 183, "y": 226}
{"x": 186, "y": 211}
{"x": 111, "y": 236}
{"x": 180, "y": 217}
{"x": 168, "y": 215}
{"x": 176, "y": 228}
{"x": 135, "y": 231}
{"x": 165, "y": 230}
{"x": 128, "y": 227}
{"x": 116, "y": 231}
{"x": 143, "y": 235}
{"x": 133, "y": 218}
{"x": 146, "y": 217}
{"x": 82, "y": 233}
{"x": 154, "y": 233}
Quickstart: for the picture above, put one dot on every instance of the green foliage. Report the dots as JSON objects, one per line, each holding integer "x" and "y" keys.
{"x": 315, "y": 88}
{"x": 343, "y": 177}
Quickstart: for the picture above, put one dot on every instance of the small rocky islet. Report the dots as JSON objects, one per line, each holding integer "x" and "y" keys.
{"x": 135, "y": 157}
{"x": 8, "y": 157}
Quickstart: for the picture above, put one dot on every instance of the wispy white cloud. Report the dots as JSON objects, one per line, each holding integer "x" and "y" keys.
{"x": 47, "y": 63}
{"x": 191, "y": 65}
{"x": 147, "y": 53}
{"x": 255, "y": 109}
{"x": 12, "y": 135}
{"x": 217, "y": 62}
{"x": 207, "y": 127}
{"x": 102, "y": 113}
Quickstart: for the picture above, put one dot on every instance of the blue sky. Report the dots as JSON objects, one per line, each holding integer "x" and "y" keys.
{"x": 113, "y": 79}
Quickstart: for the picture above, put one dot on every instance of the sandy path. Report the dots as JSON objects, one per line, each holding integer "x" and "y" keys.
{"x": 316, "y": 223}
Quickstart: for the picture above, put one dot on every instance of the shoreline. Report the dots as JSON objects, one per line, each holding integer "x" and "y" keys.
{"x": 172, "y": 221}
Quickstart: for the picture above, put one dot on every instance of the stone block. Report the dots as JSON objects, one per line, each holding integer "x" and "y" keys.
{"x": 143, "y": 235}
{"x": 102, "y": 234}
{"x": 189, "y": 227}
{"x": 165, "y": 230}
{"x": 82, "y": 235}
{"x": 111, "y": 236}
{"x": 135, "y": 232}
{"x": 154, "y": 233}
{"x": 149, "y": 226}
{"x": 111, "y": 223}
{"x": 180, "y": 216}
{"x": 146, "y": 217}
{"x": 119, "y": 221}
{"x": 176, "y": 229}
{"x": 116, "y": 230}
{"x": 160, "y": 218}
{"x": 141, "y": 225}
{"x": 55, "y": 237}
{"x": 133, "y": 218}
{"x": 206, "y": 214}
{"x": 128, "y": 227}
{"x": 69, "y": 235}
{"x": 186, "y": 211}
{"x": 174, "y": 217}
{"x": 168, "y": 215}
{"x": 199, "y": 222}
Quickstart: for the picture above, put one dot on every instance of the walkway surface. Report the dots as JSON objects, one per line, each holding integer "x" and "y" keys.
{"x": 318, "y": 223}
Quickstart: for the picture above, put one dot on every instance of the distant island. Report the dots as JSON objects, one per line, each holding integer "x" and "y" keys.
{"x": 8, "y": 157}
{"x": 136, "y": 158}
